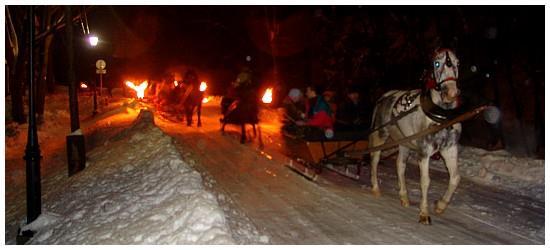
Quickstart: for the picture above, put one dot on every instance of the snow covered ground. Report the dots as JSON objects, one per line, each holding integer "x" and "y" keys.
{"x": 135, "y": 190}
{"x": 498, "y": 169}
{"x": 336, "y": 210}
{"x": 501, "y": 169}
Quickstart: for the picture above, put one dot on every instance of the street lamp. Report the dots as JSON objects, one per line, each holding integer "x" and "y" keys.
{"x": 93, "y": 39}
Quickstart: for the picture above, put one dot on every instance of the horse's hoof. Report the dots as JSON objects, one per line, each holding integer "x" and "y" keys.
{"x": 425, "y": 220}
{"x": 405, "y": 202}
{"x": 199, "y": 125}
{"x": 440, "y": 206}
{"x": 376, "y": 192}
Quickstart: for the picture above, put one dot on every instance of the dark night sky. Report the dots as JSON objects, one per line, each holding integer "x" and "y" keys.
{"x": 376, "y": 47}
{"x": 146, "y": 41}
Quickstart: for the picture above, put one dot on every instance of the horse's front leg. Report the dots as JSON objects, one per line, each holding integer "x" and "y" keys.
{"x": 401, "y": 164}
{"x": 254, "y": 129}
{"x": 188, "y": 114}
{"x": 375, "y": 140}
{"x": 450, "y": 156}
{"x": 260, "y": 138}
{"x": 424, "y": 165}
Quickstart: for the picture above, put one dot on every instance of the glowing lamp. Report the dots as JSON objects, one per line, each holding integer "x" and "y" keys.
{"x": 93, "y": 40}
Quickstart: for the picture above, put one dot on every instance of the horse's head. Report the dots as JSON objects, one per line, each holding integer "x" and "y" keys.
{"x": 444, "y": 87}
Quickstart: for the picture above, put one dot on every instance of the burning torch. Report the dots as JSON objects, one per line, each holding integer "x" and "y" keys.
{"x": 267, "y": 98}
{"x": 140, "y": 89}
{"x": 202, "y": 88}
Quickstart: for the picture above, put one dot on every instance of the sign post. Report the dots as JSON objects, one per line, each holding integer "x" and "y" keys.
{"x": 100, "y": 70}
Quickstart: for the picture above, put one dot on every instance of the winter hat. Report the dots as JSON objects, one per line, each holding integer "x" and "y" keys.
{"x": 295, "y": 94}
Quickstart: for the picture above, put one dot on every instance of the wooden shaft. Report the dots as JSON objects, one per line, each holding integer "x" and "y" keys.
{"x": 463, "y": 117}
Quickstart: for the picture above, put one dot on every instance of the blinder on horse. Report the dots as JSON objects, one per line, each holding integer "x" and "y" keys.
{"x": 448, "y": 63}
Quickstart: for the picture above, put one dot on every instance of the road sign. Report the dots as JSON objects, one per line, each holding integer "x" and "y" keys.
{"x": 100, "y": 64}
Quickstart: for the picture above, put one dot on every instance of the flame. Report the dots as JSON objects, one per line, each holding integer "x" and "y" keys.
{"x": 83, "y": 85}
{"x": 268, "y": 95}
{"x": 140, "y": 89}
{"x": 207, "y": 99}
{"x": 176, "y": 83}
{"x": 203, "y": 86}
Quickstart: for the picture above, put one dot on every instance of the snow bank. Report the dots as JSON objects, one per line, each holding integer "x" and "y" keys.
{"x": 137, "y": 189}
{"x": 501, "y": 169}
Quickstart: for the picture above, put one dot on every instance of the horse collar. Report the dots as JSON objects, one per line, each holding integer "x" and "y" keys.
{"x": 434, "y": 112}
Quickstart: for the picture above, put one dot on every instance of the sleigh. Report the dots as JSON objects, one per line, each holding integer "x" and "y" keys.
{"x": 347, "y": 152}
{"x": 312, "y": 153}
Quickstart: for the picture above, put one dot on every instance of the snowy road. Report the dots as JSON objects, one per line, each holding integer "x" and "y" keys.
{"x": 255, "y": 185}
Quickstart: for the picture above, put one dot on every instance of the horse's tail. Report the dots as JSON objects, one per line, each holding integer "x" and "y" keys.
{"x": 373, "y": 116}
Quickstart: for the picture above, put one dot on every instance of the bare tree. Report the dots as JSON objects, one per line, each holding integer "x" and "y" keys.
{"x": 15, "y": 19}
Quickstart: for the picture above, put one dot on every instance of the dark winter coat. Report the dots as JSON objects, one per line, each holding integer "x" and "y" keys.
{"x": 351, "y": 116}
{"x": 294, "y": 111}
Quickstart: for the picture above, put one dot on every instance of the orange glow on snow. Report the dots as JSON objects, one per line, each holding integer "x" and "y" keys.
{"x": 268, "y": 96}
{"x": 267, "y": 155}
{"x": 140, "y": 89}
{"x": 203, "y": 86}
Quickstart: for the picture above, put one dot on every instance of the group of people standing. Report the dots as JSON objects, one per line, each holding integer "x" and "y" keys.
{"x": 319, "y": 111}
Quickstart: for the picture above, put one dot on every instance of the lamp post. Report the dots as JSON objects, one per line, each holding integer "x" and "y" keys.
{"x": 100, "y": 70}
{"x": 32, "y": 152}
{"x": 94, "y": 40}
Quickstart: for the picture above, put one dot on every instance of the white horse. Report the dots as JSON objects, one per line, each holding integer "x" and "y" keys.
{"x": 400, "y": 114}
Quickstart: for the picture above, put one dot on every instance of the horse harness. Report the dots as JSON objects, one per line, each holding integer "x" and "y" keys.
{"x": 404, "y": 106}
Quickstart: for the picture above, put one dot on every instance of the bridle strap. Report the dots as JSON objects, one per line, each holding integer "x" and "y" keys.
{"x": 449, "y": 64}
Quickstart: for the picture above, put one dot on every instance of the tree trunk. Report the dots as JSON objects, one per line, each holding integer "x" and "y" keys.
{"x": 73, "y": 98}
{"x": 18, "y": 82}
{"x": 43, "y": 66}
{"x": 42, "y": 83}
{"x": 50, "y": 80}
